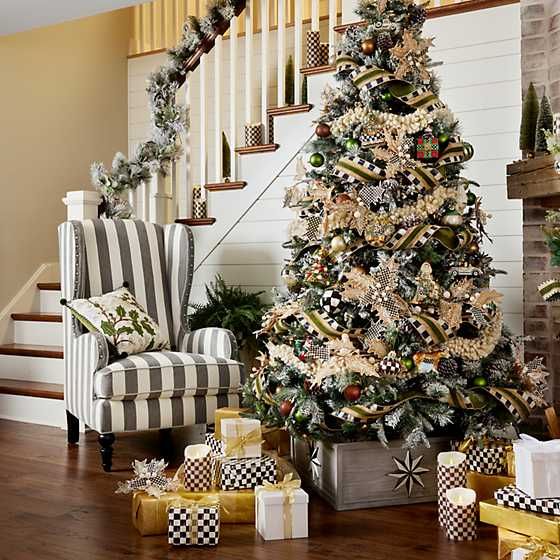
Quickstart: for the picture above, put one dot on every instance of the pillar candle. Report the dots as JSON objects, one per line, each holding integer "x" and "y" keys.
{"x": 461, "y": 514}
{"x": 451, "y": 473}
{"x": 198, "y": 468}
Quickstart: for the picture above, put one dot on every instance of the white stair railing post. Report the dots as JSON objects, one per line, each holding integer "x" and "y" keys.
{"x": 281, "y": 35}
{"x": 332, "y": 33}
{"x": 315, "y": 15}
{"x": 159, "y": 198}
{"x": 81, "y": 205}
{"x": 249, "y": 62}
{"x": 298, "y": 48}
{"x": 217, "y": 77}
{"x": 265, "y": 24}
{"x": 233, "y": 96}
{"x": 203, "y": 121}
{"x": 186, "y": 174}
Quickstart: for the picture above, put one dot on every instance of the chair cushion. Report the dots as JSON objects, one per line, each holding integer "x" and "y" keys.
{"x": 152, "y": 375}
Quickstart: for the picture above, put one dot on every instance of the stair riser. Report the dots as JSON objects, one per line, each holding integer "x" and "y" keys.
{"x": 32, "y": 332}
{"x": 48, "y": 412}
{"x": 44, "y": 370}
{"x": 50, "y": 301}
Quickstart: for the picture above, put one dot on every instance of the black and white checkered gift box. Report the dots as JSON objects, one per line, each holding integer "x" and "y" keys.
{"x": 487, "y": 460}
{"x": 253, "y": 135}
{"x": 240, "y": 474}
{"x": 181, "y": 519}
{"x": 199, "y": 473}
{"x": 216, "y": 446}
{"x": 454, "y": 476}
{"x": 461, "y": 522}
{"x": 513, "y": 497}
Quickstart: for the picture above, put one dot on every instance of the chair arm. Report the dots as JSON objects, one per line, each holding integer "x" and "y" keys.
{"x": 91, "y": 352}
{"x": 212, "y": 341}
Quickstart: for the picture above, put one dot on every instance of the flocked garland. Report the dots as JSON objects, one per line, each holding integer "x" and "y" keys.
{"x": 169, "y": 119}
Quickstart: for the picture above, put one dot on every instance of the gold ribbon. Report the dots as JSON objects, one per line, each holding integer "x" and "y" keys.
{"x": 195, "y": 506}
{"x": 237, "y": 443}
{"x": 287, "y": 486}
{"x": 537, "y": 548}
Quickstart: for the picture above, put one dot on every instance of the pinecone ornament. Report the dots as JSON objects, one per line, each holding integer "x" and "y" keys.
{"x": 384, "y": 41}
{"x": 418, "y": 16}
{"x": 390, "y": 364}
{"x": 447, "y": 367}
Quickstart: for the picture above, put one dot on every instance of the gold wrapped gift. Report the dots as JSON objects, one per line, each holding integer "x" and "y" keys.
{"x": 508, "y": 541}
{"x": 486, "y": 484}
{"x": 223, "y": 413}
{"x": 276, "y": 439}
{"x": 539, "y": 525}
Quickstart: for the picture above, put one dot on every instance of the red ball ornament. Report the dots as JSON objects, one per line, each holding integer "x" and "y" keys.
{"x": 285, "y": 408}
{"x": 323, "y": 130}
{"x": 352, "y": 392}
{"x": 302, "y": 356}
{"x": 342, "y": 198}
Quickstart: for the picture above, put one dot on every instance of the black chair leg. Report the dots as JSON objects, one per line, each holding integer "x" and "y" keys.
{"x": 73, "y": 428}
{"x": 166, "y": 443}
{"x": 106, "y": 442}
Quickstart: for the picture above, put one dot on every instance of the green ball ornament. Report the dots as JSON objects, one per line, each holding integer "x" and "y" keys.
{"x": 408, "y": 363}
{"x": 386, "y": 96}
{"x": 317, "y": 159}
{"x": 468, "y": 150}
{"x": 299, "y": 416}
{"x": 443, "y": 138}
{"x": 471, "y": 198}
{"x": 351, "y": 145}
{"x": 480, "y": 381}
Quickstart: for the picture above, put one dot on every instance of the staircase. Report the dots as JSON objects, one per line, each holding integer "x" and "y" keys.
{"x": 31, "y": 366}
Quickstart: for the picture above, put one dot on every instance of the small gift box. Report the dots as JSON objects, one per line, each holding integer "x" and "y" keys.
{"x": 513, "y": 497}
{"x": 515, "y": 546}
{"x": 281, "y": 510}
{"x": 194, "y": 522}
{"x": 490, "y": 458}
{"x": 276, "y": 439}
{"x": 198, "y": 468}
{"x": 241, "y": 438}
{"x": 539, "y": 525}
{"x": 216, "y": 446}
{"x": 460, "y": 514}
{"x": 485, "y": 485}
{"x": 223, "y": 414}
{"x": 237, "y": 474}
{"x": 537, "y": 467}
{"x": 253, "y": 134}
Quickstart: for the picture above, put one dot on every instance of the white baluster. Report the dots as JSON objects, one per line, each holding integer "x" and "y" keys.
{"x": 217, "y": 77}
{"x": 315, "y": 15}
{"x": 153, "y": 28}
{"x": 146, "y": 187}
{"x": 298, "y": 49}
{"x": 281, "y": 100}
{"x": 132, "y": 200}
{"x": 332, "y": 33}
{"x": 165, "y": 15}
{"x": 203, "y": 121}
{"x": 172, "y": 211}
{"x": 146, "y": 43}
{"x": 249, "y": 62}
{"x": 233, "y": 96}
{"x": 265, "y": 24}
{"x": 186, "y": 176}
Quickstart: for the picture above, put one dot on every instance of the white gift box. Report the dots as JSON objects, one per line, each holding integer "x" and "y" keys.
{"x": 241, "y": 438}
{"x": 279, "y": 517}
{"x": 537, "y": 467}
{"x": 521, "y": 553}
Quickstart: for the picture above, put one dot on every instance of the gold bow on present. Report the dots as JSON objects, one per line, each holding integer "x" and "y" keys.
{"x": 537, "y": 549}
{"x": 195, "y": 506}
{"x": 239, "y": 442}
{"x": 287, "y": 486}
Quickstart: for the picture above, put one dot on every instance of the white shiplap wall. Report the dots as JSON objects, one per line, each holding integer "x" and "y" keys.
{"x": 481, "y": 84}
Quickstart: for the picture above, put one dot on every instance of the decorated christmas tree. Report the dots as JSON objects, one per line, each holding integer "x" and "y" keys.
{"x": 389, "y": 327}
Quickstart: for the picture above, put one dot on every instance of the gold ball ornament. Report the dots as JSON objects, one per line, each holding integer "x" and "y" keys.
{"x": 472, "y": 247}
{"x": 368, "y": 46}
{"x": 338, "y": 244}
{"x": 452, "y": 219}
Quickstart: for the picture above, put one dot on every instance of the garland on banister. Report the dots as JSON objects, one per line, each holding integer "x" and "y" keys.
{"x": 169, "y": 118}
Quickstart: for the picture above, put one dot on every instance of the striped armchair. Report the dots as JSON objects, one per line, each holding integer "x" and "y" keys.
{"x": 151, "y": 390}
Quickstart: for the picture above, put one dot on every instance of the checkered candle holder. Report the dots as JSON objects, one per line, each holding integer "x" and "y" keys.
{"x": 556, "y": 124}
{"x": 216, "y": 446}
{"x": 241, "y": 437}
{"x": 199, "y": 468}
{"x": 315, "y": 50}
{"x": 199, "y": 209}
{"x": 461, "y": 514}
{"x": 451, "y": 473}
{"x": 241, "y": 474}
{"x": 194, "y": 522}
{"x": 511, "y": 496}
{"x": 253, "y": 135}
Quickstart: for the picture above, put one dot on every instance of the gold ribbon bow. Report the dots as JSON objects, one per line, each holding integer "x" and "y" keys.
{"x": 195, "y": 506}
{"x": 239, "y": 442}
{"x": 287, "y": 486}
{"x": 539, "y": 549}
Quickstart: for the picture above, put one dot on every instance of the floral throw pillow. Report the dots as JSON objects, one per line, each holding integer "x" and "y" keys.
{"x": 123, "y": 321}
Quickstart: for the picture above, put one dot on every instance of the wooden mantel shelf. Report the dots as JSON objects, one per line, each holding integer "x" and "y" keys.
{"x": 533, "y": 178}
{"x": 196, "y": 221}
{"x": 313, "y": 70}
{"x": 226, "y": 186}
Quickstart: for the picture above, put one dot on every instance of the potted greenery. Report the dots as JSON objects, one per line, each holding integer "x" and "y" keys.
{"x": 233, "y": 308}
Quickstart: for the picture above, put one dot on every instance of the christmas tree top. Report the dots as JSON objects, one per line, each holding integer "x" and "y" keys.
{"x": 390, "y": 327}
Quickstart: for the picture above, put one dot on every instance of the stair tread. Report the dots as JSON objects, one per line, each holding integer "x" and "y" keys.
{"x": 32, "y": 389}
{"x": 52, "y": 286}
{"x": 226, "y": 186}
{"x": 257, "y": 149}
{"x": 289, "y": 109}
{"x": 33, "y": 350}
{"x": 40, "y": 317}
{"x": 196, "y": 221}
{"x": 312, "y": 70}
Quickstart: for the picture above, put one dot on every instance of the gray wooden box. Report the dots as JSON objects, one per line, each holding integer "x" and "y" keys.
{"x": 356, "y": 475}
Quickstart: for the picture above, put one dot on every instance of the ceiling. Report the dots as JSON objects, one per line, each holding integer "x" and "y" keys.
{"x": 21, "y": 15}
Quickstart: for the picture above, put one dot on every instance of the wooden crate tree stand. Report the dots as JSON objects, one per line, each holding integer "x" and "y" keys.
{"x": 367, "y": 474}
{"x": 533, "y": 178}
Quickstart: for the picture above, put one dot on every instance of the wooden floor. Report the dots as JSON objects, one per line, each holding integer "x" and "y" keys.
{"x": 56, "y": 502}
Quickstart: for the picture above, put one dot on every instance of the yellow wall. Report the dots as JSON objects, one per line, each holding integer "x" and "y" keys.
{"x": 63, "y": 104}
